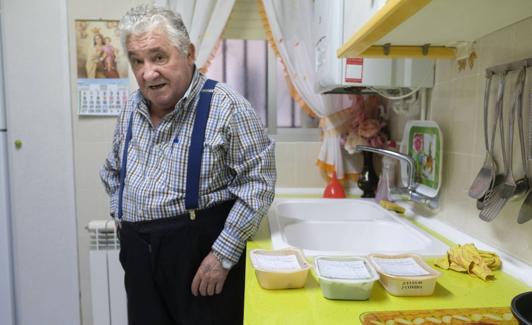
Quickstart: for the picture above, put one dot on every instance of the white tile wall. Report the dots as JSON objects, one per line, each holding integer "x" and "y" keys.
{"x": 456, "y": 105}
{"x": 296, "y": 164}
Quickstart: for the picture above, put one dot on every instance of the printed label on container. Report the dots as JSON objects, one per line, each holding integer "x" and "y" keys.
{"x": 400, "y": 266}
{"x": 275, "y": 262}
{"x": 349, "y": 270}
{"x": 354, "y": 70}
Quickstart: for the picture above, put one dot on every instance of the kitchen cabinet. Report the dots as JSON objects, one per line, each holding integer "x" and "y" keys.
{"x": 332, "y": 22}
{"x": 40, "y": 161}
{"x": 429, "y": 28}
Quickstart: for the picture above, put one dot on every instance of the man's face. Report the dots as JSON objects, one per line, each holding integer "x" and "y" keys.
{"x": 162, "y": 72}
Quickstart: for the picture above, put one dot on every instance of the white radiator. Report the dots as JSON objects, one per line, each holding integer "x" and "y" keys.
{"x": 107, "y": 276}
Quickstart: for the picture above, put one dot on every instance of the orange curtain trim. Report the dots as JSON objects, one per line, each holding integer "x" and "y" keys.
{"x": 328, "y": 168}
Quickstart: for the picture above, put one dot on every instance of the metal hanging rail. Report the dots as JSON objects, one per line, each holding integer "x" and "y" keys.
{"x": 516, "y": 65}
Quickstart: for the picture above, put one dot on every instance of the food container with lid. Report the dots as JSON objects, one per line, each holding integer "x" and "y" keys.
{"x": 280, "y": 269}
{"x": 346, "y": 278}
{"x": 405, "y": 274}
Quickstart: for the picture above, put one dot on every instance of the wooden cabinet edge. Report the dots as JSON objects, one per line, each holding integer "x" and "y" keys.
{"x": 391, "y": 15}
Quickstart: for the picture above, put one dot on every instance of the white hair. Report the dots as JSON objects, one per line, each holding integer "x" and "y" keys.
{"x": 146, "y": 18}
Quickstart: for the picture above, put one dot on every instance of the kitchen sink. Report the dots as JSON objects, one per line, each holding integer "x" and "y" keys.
{"x": 346, "y": 227}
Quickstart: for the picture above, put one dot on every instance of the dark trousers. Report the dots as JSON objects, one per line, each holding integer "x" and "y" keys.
{"x": 160, "y": 259}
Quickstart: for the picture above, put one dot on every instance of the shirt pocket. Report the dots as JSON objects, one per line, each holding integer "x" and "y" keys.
{"x": 175, "y": 166}
{"x": 213, "y": 162}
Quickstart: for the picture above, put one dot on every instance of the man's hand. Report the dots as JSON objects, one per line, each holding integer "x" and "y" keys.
{"x": 210, "y": 277}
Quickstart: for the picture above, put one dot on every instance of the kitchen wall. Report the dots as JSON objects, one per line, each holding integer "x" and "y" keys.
{"x": 457, "y": 106}
{"x": 296, "y": 164}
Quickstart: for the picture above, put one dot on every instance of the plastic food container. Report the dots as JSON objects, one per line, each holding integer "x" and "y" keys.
{"x": 346, "y": 278}
{"x": 280, "y": 269}
{"x": 405, "y": 275}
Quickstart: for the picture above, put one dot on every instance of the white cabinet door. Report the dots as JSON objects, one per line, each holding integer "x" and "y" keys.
{"x": 37, "y": 93}
{"x": 7, "y": 316}
{"x": 2, "y": 110}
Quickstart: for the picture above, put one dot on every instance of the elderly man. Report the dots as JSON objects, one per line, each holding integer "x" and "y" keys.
{"x": 190, "y": 175}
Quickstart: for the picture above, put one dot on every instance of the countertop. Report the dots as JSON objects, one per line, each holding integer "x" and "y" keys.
{"x": 308, "y": 306}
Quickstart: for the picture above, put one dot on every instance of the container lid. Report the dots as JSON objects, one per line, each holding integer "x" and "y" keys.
{"x": 344, "y": 269}
{"x": 406, "y": 265}
{"x": 285, "y": 260}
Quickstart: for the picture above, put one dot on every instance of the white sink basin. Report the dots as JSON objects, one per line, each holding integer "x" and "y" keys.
{"x": 346, "y": 227}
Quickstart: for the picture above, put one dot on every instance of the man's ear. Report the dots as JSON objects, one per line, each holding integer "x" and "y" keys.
{"x": 191, "y": 57}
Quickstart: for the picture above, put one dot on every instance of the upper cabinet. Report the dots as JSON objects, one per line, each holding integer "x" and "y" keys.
{"x": 424, "y": 28}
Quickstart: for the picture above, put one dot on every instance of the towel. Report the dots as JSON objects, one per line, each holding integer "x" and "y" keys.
{"x": 468, "y": 258}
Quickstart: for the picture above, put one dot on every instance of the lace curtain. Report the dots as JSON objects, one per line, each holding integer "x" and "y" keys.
{"x": 288, "y": 29}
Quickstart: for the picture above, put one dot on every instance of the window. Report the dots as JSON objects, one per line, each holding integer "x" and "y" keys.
{"x": 250, "y": 67}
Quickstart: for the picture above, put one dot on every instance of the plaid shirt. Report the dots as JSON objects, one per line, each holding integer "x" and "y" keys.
{"x": 238, "y": 163}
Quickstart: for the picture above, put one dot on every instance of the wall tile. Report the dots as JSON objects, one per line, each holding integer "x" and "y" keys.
{"x": 457, "y": 169}
{"x": 285, "y": 157}
{"x": 296, "y": 164}
{"x": 440, "y": 105}
{"x": 522, "y": 46}
{"x": 461, "y": 137}
{"x": 464, "y": 98}
{"x": 444, "y": 70}
{"x": 457, "y": 106}
{"x": 497, "y": 48}
{"x": 307, "y": 172}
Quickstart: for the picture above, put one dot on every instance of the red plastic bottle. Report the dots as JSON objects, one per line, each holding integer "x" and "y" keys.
{"x": 334, "y": 190}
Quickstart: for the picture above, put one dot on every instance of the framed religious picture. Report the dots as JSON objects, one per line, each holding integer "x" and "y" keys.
{"x": 102, "y": 68}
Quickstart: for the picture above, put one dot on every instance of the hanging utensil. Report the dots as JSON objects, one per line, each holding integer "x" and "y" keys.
{"x": 522, "y": 185}
{"x": 491, "y": 196}
{"x": 488, "y": 196}
{"x": 486, "y": 175}
{"x": 506, "y": 189}
{"x": 497, "y": 201}
{"x": 525, "y": 213}
{"x": 519, "y": 118}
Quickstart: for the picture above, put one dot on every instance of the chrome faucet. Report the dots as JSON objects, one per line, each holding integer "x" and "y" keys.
{"x": 411, "y": 187}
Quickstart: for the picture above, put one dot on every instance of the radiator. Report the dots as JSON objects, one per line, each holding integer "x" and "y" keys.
{"x": 106, "y": 275}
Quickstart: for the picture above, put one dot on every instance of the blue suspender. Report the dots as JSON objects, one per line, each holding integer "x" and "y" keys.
{"x": 195, "y": 152}
{"x": 129, "y": 135}
{"x": 194, "y": 156}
